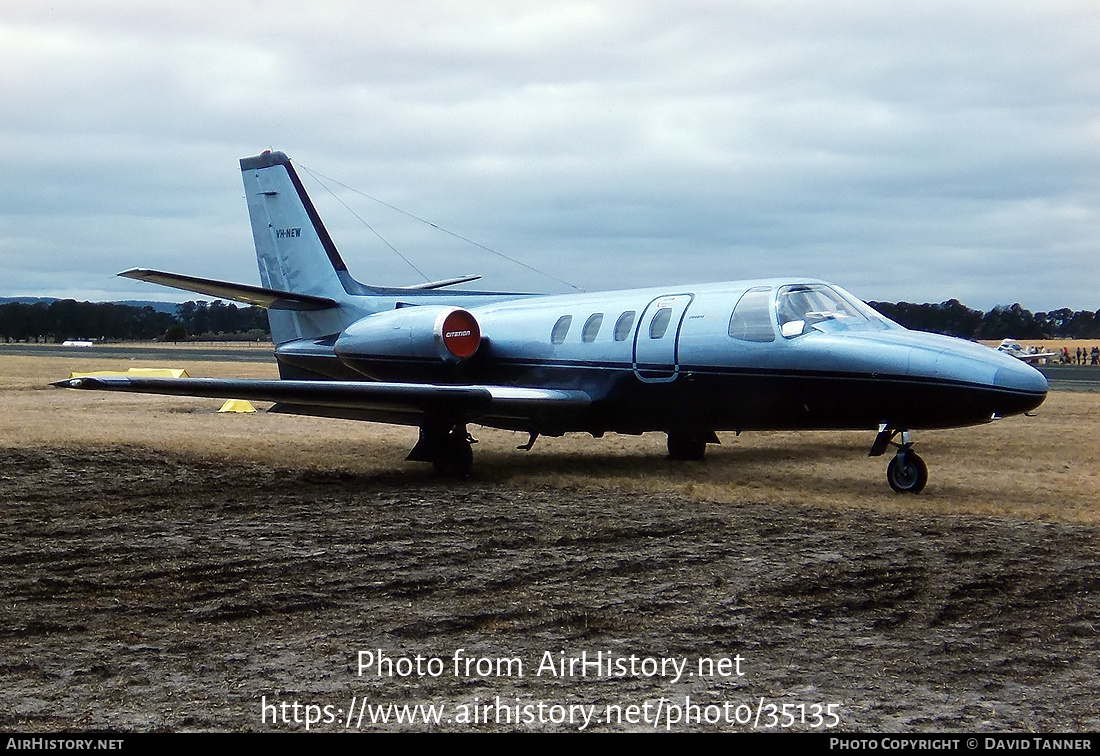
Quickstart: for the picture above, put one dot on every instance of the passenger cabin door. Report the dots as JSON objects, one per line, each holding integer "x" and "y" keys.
{"x": 657, "y": 338}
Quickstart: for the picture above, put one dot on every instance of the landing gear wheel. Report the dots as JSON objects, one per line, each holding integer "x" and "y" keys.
{"x": 454, "y": 458}
{"x": 447, "y": 447}
{"x": 907, "y": 473}
{"x": 691, "y": 447}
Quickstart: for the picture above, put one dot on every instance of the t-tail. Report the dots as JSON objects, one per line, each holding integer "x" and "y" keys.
{"x": 306, "y": 287}
{"x": 294, "y": 250}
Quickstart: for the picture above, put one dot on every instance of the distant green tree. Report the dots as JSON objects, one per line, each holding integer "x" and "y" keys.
{"x": 175, "y": 333}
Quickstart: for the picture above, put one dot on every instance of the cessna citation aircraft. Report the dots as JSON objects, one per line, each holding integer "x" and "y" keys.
{"x": 683, "y": 360}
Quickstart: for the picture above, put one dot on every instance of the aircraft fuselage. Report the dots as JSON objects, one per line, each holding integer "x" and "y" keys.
{"x": 694, "y": 374}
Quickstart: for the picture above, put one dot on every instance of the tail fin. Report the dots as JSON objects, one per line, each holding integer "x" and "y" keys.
{"x": 293, "y": 249}
{"x": 307, "y": 289}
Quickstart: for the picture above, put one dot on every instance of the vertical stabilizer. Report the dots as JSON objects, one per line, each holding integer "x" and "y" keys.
{"x": 293, "y": 248}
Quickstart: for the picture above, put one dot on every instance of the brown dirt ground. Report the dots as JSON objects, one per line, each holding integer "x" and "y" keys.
{"x": 174, "y": 580}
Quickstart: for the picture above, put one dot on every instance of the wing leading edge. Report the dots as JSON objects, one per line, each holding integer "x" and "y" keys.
{"x": 358, "y": 399}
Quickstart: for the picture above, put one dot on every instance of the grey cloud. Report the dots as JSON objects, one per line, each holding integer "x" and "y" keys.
{"x": 906, "y": 150}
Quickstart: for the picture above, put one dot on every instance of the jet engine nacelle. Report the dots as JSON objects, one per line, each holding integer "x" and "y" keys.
{"x": 449, "y": 334}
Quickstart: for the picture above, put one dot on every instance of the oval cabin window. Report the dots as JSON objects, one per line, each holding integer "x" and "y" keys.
{"x": 659, "y": 324}
{"x": 561, "y": 329}
{"x": 624, "y": 325}
{"x": 592, "y": 328}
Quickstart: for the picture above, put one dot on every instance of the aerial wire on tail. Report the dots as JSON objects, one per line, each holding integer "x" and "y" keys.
{"x": 362, "y": 220}
{"x": 316, "y": 176}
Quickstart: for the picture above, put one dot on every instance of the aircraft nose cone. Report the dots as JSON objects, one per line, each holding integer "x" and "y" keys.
{"x": 999, "y": 385}
{"x": 1018, "y": 376}
{"x": 1023, "y": 388}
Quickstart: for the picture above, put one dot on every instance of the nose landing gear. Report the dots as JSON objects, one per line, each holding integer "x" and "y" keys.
{"x": 907, "y": 472}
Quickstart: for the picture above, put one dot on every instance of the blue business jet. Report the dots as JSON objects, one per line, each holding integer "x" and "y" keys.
{"x": 687, "y": 361}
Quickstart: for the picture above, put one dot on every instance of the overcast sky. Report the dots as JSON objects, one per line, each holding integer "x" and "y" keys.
{"x": 904, "y": 150}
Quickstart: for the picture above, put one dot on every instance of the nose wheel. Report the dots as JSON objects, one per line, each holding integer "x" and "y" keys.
{"x": 906, "y": 472}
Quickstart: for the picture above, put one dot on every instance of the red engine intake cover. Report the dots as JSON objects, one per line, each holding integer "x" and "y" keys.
{"x": 461, "y": 334}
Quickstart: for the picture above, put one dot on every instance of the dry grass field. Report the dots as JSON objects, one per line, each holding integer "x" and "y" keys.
{"x": 1045, "y": 467}
{"x": 167, "y": 567}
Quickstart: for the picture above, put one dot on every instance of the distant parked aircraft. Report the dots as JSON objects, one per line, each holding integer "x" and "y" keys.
{"x": 1029, "y": 355}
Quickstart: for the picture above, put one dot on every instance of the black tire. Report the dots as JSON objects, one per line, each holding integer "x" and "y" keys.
{"x": 455, "y": 458}
{"x": 691, "y": 447}
{"x": 907, "y": 473}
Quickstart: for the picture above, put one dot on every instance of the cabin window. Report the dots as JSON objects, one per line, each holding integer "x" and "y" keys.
{"x": 752, "y": 317}
{"x": 659, "y": 324}
{"x": 624, "y": 325}
{"x": 561, "y": 329}
{"x": 591, "y": 328}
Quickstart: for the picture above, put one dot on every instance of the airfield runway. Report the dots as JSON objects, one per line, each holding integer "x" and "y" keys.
{"x": 228, "y": 352}
{"x": 1072, "y": 377}
{"x": 168, "y": 568}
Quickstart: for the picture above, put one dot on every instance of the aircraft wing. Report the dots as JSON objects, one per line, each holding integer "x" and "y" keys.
{"x": 1036, "y": 356}
{"x": 367, "y": 400}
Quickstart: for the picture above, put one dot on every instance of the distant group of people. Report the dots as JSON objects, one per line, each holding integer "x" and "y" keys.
{"x": 1083, "y": 356}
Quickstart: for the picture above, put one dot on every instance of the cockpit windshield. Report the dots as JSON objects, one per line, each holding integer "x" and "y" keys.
{"x": 805, "y": 307}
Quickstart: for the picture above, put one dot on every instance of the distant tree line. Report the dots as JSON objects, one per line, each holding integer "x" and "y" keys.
{"x": 217, "y": 317}
{"x": 65, "y": 319}
{"x": 956, "y": 319}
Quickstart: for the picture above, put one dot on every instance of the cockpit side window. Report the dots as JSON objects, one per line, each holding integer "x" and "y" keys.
{"x": 805, "y": 307}
{"x": 752, "y": 317}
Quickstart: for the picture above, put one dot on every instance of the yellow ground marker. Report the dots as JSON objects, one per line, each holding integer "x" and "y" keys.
{"x": 237, "y": 405}
{"x": 133, "y": 373}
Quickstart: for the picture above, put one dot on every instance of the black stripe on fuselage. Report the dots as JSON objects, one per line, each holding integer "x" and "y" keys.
{"x": 718, "y": 398}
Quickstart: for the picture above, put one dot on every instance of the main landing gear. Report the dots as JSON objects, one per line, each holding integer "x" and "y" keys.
{"x": 690, "y": 446}
{"x": 447, "y": 447}
{"x": 906, "y": 472}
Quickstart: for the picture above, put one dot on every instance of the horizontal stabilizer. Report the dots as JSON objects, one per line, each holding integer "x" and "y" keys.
{"x": 442, "y": 284}
{"x": 414, "y": 398}
{"x": 258, "y": 296}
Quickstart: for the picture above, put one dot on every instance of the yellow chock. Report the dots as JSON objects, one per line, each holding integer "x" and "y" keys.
{"x": 134, "y": 373}
{"x": 237, "y": 405}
